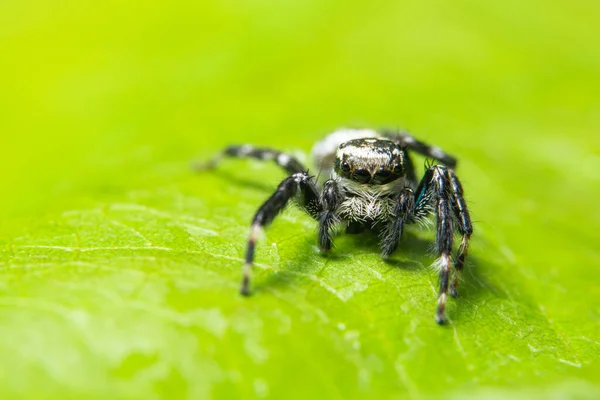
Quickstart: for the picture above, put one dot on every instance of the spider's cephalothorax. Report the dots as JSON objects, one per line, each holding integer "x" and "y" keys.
{"x": 372, "y": 185}
{"x": 374, "y": 161}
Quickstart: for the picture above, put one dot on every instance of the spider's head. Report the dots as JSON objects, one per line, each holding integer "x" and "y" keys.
{"x": 370, "y": 161}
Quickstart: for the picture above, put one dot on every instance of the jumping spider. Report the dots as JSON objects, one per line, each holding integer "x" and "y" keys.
{"x": 372, "y": 185}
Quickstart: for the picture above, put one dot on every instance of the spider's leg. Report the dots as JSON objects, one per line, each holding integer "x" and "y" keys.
{"x": 331, "y": 198}
{"x": 298, "y": 184}
{"x": 285, "y": 161}
{"x": 403, "y": 213}
{"x": 407, "y": 141}
{"x": 465, "y": 227}
{"x": 435, "y": 188}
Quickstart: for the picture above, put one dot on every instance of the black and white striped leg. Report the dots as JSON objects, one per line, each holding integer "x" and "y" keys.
{"x": 285, "y": 161}
{"x": 331, "y": 197}
{"x": 434, "y": 190}
{"x": 297, "y": 184}
{"x": 392, "y": 233}
{"x": 409, "y": 142}
{"x": 465, "y": 227}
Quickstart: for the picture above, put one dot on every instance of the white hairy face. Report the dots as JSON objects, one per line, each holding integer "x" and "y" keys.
{"x": 370, "y": 161}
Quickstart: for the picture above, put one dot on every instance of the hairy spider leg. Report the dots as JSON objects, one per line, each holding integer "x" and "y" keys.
{"x": 288, "y": 162}
{"x": 299, "y": 186}
{"x": 465, "y": 227}
{"x": 331, "y": 198}
{"x": 438, "y": 186}
{"x": 407, "y": 141}
{"x": 403, "y": 214}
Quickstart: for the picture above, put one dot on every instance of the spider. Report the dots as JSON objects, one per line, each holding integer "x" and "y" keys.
{"x": 372, "y": 185}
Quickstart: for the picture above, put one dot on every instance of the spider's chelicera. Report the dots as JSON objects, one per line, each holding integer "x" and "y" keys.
{"x": 372, "y": 185}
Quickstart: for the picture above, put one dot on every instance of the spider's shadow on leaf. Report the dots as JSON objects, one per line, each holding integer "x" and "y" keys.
{"x": 413, "y": 254}
{"x": 474, "y": 283}
{"x": 232, "y": 179}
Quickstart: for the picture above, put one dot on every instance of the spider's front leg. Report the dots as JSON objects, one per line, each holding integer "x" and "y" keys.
{"x": 465, "y": 227}
{"x": 299, "y": 186}
{"x": 286, "y": 161}
{"x": 441, "y": 189}
{"x": 407, "y": 141}
{"x": 403, "y": 214}
{"x": 331, "y": 198}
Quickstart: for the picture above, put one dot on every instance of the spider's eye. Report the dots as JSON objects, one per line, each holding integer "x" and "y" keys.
{"x": 345, "y": 166}
{"x": 383, "y": 175}
{"x": 361, "y": 175}
{"x": 398, "y": 169}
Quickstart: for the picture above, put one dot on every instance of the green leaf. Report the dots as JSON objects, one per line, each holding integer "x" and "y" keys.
{"x": 120, "y": 266}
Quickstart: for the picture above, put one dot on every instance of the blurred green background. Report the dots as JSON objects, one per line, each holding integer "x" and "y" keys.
{"x": 120, "y": 266}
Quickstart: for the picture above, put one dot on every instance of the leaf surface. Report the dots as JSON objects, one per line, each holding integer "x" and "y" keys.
{"x": 120, "y": 265}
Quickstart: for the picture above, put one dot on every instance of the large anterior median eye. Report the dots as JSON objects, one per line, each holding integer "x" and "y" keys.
{"x": 361, "y": 175}
{"x": 383, "y": 175}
